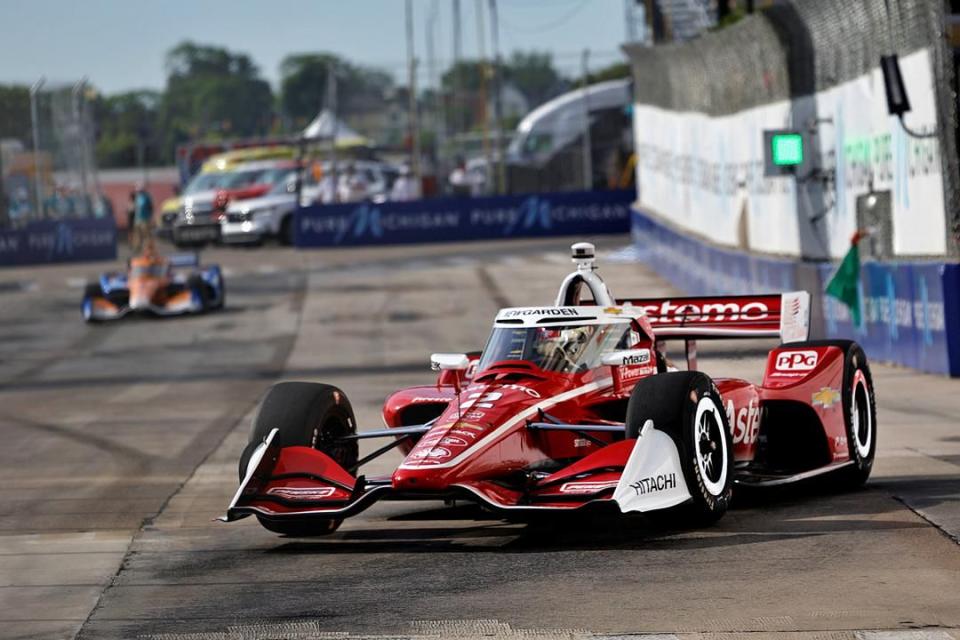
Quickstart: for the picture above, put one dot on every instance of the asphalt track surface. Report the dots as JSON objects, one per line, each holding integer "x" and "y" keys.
{"x": 120, "y": 446}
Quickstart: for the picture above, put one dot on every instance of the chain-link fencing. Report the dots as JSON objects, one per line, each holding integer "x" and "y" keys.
{"x": 50, "y": 170}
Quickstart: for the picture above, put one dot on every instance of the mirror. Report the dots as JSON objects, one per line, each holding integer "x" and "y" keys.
{"x": 627, "y": 358}
{"x": 449, "y": 362}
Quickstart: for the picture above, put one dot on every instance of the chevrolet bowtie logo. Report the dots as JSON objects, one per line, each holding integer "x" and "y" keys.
{"x": 826, "y": 397}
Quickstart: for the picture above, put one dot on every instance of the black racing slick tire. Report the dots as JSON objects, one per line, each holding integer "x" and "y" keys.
{"x": 306, "y": 414}
{"x": 199, "y": 287}
{"x": 92, "y": 291}
{"x": 687, "y": 406}
{"x": 285, "y": 234}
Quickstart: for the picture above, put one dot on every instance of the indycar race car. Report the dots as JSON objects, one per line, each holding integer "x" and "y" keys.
{"x": 573, "y": 406}
{"x": 156, "y": 285}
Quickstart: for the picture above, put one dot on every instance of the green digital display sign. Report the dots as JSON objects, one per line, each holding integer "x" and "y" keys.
{"x": 787, "y": 149}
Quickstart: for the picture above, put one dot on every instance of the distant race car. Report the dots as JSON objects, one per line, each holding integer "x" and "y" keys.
{"x": 155, "y": 285}
{"x": 575, "y": 406}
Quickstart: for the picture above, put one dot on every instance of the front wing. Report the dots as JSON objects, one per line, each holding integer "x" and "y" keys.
{"x": 641, "y": 474}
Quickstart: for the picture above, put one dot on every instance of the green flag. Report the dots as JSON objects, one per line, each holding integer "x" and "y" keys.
{"x": 844, "y": 283}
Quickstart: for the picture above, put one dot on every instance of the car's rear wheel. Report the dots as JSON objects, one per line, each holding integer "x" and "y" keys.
{"x": 286, "y": 230}
{"x": 859, "y": 409}
{"x": 218, "y": 301}
{"x": 306, "y": 414}
{"x": 687, "y": 406}
{"x": 92, "y": 291}
{"x": 200, "y": 290}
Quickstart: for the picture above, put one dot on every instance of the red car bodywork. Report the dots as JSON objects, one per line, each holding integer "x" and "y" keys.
{"x": 506, "y": 436}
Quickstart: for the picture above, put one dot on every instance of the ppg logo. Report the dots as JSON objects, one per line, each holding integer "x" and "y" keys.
{"x": 796, "y": 360}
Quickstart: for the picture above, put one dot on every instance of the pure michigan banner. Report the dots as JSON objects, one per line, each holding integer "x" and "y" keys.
{"x": 459, "y": 219}
{"x": 50, "y": 241}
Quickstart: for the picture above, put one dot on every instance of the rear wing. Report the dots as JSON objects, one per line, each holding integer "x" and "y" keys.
{"x": 785, "y": 316}
{"x": 184, "y": 260}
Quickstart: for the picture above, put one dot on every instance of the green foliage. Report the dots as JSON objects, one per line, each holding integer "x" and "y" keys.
{"x": 303, "y": 86}
{"x": 211, "y": 93}
{"x": 124, "y": 121}
{"x": 532, "y": 73}
{"x": 15, "y": 113}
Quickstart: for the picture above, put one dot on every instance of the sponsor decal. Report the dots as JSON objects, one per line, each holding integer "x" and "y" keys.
{"x": 616, "y": 311}
{"x": 639, "y": 357}
{"x": 840, "y": 442}
{"x": 464, "y": 433}
{"x": 486, "y": 400}
{"x": 587, "y": 487}
{"x": 656, "y": 483}
{"x": 428, "y": 400}
{"x": 473, "y": 415}
{"x": 480, "y": 399}
{"x": 467, "y": 425}
{"x": 433, "y": 453}
{"x": 627, "y": 375}
{"x": 302, "y": 493}
{"x": 826, "y": 397}
{"x": 579, "y": 443}
{"x": 796, "y": 361}
{"x": 667, "y": 312}
{"x": 745, "y": 423}
{"x": 454, "y": 441}
{"x": 541, "y": 311}
{"x": 526, "y": 390}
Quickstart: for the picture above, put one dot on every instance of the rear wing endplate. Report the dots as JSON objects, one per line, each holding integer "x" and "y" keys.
{"x": 785, "y": 316}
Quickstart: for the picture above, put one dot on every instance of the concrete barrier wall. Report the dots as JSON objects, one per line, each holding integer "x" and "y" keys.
{"x": 911, "y": 310}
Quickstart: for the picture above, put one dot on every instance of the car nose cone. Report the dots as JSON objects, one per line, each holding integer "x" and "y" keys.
{"x": 139, "y": 303}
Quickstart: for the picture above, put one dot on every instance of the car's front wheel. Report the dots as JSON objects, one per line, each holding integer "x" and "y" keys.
{"x": 306, "y": 414}
{"x": 687, "y": 406}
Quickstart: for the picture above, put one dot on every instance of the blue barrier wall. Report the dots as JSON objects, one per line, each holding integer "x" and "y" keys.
{"x": 904, "y": 314}
{"x": 911, "y": 310}
{"x": 459, "y": 219}
{"x": 51, "y": 241}
{"x": 700, "y": 269}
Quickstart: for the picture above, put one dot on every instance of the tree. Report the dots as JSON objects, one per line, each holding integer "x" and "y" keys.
{"x": 124, "y": 122}
{"x": 213, "y": 93}
{"x": 303, "y": 86}
{"x": 534, "y": 75}
{"x": 15, "y": 113}
{"x": 614, "y": 71}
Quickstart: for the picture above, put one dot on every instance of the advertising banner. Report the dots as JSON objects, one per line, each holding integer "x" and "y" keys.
{"x": 52, "y": 241}
{"x": 460, "y": 219}
{"x": 905, "y": 318}
{"x": 705, "y": 174}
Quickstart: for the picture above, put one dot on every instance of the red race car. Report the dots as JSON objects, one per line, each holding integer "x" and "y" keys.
{"x": 575, "y": 406}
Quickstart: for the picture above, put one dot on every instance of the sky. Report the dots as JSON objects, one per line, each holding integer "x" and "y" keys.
{"x": 120, "y": 45}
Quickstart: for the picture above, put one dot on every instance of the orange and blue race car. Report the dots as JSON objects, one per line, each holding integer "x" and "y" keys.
{"x": 157, "y": 285}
